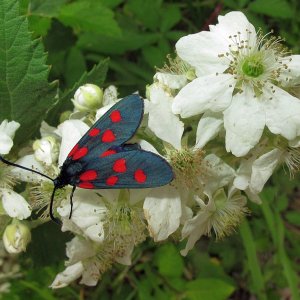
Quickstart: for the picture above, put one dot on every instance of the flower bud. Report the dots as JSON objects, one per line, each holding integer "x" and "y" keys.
{"x": 16, "y": 237}
{"x": 88, "y": 97}
{"x": 46, "y": 150}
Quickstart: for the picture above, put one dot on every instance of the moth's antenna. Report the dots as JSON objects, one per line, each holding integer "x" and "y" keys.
{"x": 57, "y": 221}
{"x": 71, "y": 201}
{"x": 24, "y": 168}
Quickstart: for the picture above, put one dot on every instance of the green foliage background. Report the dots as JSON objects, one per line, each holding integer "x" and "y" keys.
{"x": 79, "y": 36}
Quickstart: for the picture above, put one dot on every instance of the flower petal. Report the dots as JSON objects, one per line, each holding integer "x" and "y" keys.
{"x": 88, "y": 212}
{"x": 162, "y": 209}
{"x": 6, "y": 143}
{"x": 212, "y": 92}
{"x": 263, "y": 168}
{"x": 194, "y": 229}
{"x": 30, "y": 162}
{"x": 244, "y": 122}
{"x": 295, "y": 142}
{"x": 282, "y": 113}
{"x": 241, "y": 181}
{"x": 71, "y": 132}
{"x": 209, "y": 126}
{"x": 15, "y": 205}
{"x": 70, "y": 274}
{"x": 91, "y": 273}
{"x": 79, "y": 249}
{"x": 218, "y": 174}
{"x": 7, "y": 133}
{"x": 173, "y": 81}
{"x": 236, "y": 25}
{"x": 162, "y": 121}
{"x": 201, "y": 51}
{"x": 9, "y": 128}
{"x": 290, "y": 76}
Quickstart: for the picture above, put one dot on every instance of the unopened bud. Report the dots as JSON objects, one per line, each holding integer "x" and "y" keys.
{"x": 16, "y": 237}
{"x": 88, "y": 97}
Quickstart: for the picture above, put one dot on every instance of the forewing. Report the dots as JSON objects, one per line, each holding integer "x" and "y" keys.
{"x": 126, "y": 169}
{"x": 114, "y": 128}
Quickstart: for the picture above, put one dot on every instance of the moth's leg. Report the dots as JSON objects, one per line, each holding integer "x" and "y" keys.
{"x": 71, "y": 200}
{"x": 57, "y": 221}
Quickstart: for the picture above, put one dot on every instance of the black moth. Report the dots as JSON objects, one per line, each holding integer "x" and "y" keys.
{"x": 102, "y": 160}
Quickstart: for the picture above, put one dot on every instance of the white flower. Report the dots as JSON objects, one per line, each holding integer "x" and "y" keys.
{"x": 167, "y": 207}
{"x": 89, "y": 261}
{"x": 254, "y": 172}
{"x": 16, "y": 237}
{"x": 88, "y": 97}
{"x": 162, "y": 121}
{"x": 14, "y": 204}
{"x": 240, "y": 74}
{"x": 88, "y": 214}
{"x": 221, "y": 215}
{"x": 7, "y": 133}
{"x": 46, "y": 150}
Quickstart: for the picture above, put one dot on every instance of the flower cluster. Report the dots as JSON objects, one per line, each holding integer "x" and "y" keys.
{"x": 222, "y": 112}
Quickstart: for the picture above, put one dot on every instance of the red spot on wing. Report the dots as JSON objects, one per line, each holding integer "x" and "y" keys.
{"x": 115, "y": 116}
{"x": 88, "y": 175}
{"x": 108, "y": 152}
{"x": 94, "y": 132}
{"x": 74, "y": 149}
{"x": 140, "y": 176}
{"x": 112, "y": 180}
{"x": 120, "y": 165}
{"x": 86, "y": 185}
{"x": 80, "y": 153}
{"x": 108, "y": 136}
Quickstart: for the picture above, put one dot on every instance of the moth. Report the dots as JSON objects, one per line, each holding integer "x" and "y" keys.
{"x": 102, "y": 158}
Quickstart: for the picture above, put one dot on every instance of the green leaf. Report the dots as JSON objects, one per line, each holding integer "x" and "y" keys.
{"x": 273, "y": 8}
{"x": 128, "y": 41}
{"x": 96, "y": 76}
{"x": 39, "y": 25}
{"x": 169, "y": 261}
{"x": 293, "y": 217}
{"x": 42, "y": 248}
{"x": 154, "y": 56}
{"x": 25, "y": 94}
{"x": 75, "y": 66}
{"x": 171, "y": 15}
{"x": 91, "y": 16}
{"x": 147, "y": 12}
{"x": 45, "y": 8}
{"x": 111, "y": 3}
{"x": 208, "y": 289}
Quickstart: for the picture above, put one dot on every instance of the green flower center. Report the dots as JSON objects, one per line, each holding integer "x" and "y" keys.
{"x": 253, "y": 67}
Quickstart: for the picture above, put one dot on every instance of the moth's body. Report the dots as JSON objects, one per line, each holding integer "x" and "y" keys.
{"x": 69, "y": 174}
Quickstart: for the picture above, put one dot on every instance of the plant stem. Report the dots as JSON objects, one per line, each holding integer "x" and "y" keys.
{"x": 253, "y": 263}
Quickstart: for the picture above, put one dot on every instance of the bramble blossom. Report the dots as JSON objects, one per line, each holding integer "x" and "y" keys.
{"x": 240, "y": 75}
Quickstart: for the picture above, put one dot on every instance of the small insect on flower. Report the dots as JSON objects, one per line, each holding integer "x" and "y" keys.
{"x": 102, "y": 159}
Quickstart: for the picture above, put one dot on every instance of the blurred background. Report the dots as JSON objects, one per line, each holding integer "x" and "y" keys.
{"x": 130, "y": 39}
